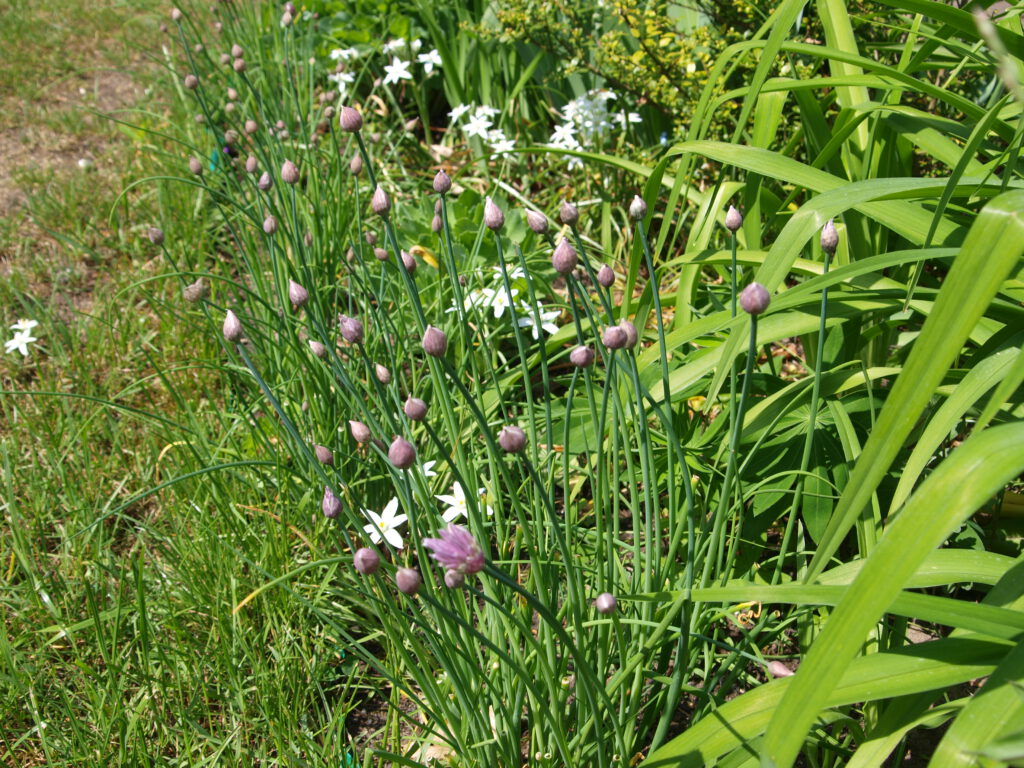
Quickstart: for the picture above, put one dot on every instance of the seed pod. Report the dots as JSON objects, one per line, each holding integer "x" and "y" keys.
{"x": 538, "y": 221}
{"x": 415, "y": 409}
{"x": 380, "y": 254}
{"x": 195, "y": 292}
{"x": 606, "y": 276}
{"x": 755, "y": 299}
{"x": 442, "y": 183}
{"x": 356, "y": 165}
{"x": 359, "y": 431}
{"x": 401, "y": 453}
{"x": 564, "y": 259}
{"x": 351, "y": 329}
{"x": 289, "y": 173}
{"x": 237, "y": 51}
{"x": 350, "y": 120}
{"x": 232, "y": 326}
{"x": 408, "y": 581}
{"x": 324, "y": 455}
{"x": 366, "y": 561}
{"x": 614, "y": 337}
{"x": 251, "y": 164}
{"x": 317, "y": 348}
{"x": 238, "y": 65}
{"x": 156, "y": 236}
{"x": 382, "y": 373}
{"x": 297, "y": 294}
{"x": 631, "y": 335}
{"x": 512, "y": 439}
{"x": 494, "y": 219}
{"x": 568, "y": 214}
{"x": 605, "y": 603}
{"x": 435, "y": 343}
{"x": 265, "y": 182}
{"x": 191, "y": 82}
{"x": 380, "y": 202}
{"x": 195, "y": 166}
{"x": 270, "y": 225}
{"x": 733, "y": 219}
{"x": 829, "y": 238}
{"x": 409, "y": 261}
{"x": 582, "y": 357}
{"x": 637, "y": 208}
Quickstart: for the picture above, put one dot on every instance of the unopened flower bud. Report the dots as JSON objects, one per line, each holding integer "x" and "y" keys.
{"x": 195, "y": 292}
{"x": 366, "y": 561}
{"x": 225, "y": 58}
{"x": 568, "y": 214}
{"x": 191, "y": 82}
{"x": 238, "y": 65}
{"x": 195, "y": 166}
{"x": 370, "y": 237}
{"x": 494, "y": 219}
{"x": 435, "y": 343}
{"x": 637, "y": 208}
{"x": 359, "y": 431}
{"x": 232, "y": 327}
{"x": 582, "y": 357}
{"x": 290, "y": 8}
{"x": 270, "y": 225}
{"x": 237, "y": 51}
{"x": 176, "y": 14}
{"x": 251, "y": 164}
{"x": 289, "y": 172}
{"x": 350, "y": 119}
{"x": 538, "y": 221}
{"x": 605, "y": 603}
{"x": 286, "y": 19}
{"x": 409, "y": 261}
{"x": 232, "y": 94}
{"x": 382, "y": 373}
{"x": 297, "y": 294}
{"x": 356, "y": 165}
{"x": 442, "y": 183}
{"x": 408, "y": 581}
{"x": 265, "y": 182}
{"x": 317, "y": 348}
{"x": 331, "y": 504}
{"x": 606, "y": 276}
{"x": 380, "y": 202}
{"x": 778, "y": 669}
{"x": 614, "y": 337}
{"x": 401, "y": 453}
{"x": 733, "y": 219}
{"x": 454, "y": 579}
{"x": 631, "y": 335}
{"x": 415, "y": 409}
{"x": 307, "y": 239}
{"x": 829, "y": 238}
{"x": 436, "y": 223}
{"x": 512, "y": 439}
{"x": 380, "y": 254}
{"x": 351, "y": 329}
{"x": 156, "y": 236}
{"x": 324, "y": 455}
{"x": 755, "y": 299}
{"x": 564, "y": 259}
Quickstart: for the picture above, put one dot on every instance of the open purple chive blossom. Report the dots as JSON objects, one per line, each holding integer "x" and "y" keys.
{"x": 435, "y": 343}
{"x": 366, "y": 561}
{"x": 605, "y": 603}
{"x": 755, "y": 299}
{"x": 829, "y": 238}
{"x": 494, "y": 219}
{"x": 331, "y": 504}
{"x": 456, "y": 550}
{"x": 512, "y": 439}
{"x": 564, "y": 259}
{"x": 232, "y": 327}
{"x": 297, "y": 295}
{"x": 401, "y": 453}
{"x": 408, "y": 581}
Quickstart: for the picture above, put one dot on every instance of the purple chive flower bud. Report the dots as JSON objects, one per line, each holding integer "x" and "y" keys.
{"x": 195, "y": 292}
{"x": 380, "y": 254}
{"x": 195, "y": 166}
{"x": 564, "y": 259}
{"x": 436, "y": 224}
{"x": 401, "y": 453}
{"x": 380, "y": 202}
{"x": 286, "y": 19}
{"x": 297, "y": 294}
{"x": 778, "y": 669}
{"x": 755, "y": 299}
{"x": 382, "y": 373}
{"x": 324, "y": 455}
{"x": 637, "y": 208}
{"x": 512, "y": 439}
{"x": 408, "y": 581}
{"x": 351, "y": 329}
{"x": 238, "y": 65}
{"x": 631, "y": 335}
{"x": 356, "y": 165}
{"x": 582, "y": 357}
{"x": 191, "y": 82}
{"x": 176, "y": 14}
{"x": 538, "y": 221}
{"x": 232, "y": 327}
{"x": 307, "y": 239}
{"x": 317, "y": 348}
{"x": 829, "y": 238}
{"x": 270, "y": 225}
{"x": 606, "y": 276}
{"x": 350, "y": 120}
{"x": 230, "y": 107}
{"x": 225, "y": 58}
{"x": 456, "y": 550}
{"x": 733, "y": 219}
{"x": 251, "y": 164}
{"x": 156, "y": 236}
{"x": 614, "y": 337}
{"x": 442, "y": 183}
{"x": 360, "y": 432}
{"x": 409, "y": 261}
{"x": 290, "y": 8}
{"x": 568, "y": 214}
{"x": 454, "y": 579}
{"x": 366, "y": 561}
{"x": 232, "y": 94}
{"x": 265, "y": 182}
{"x": 237, "y": 51}
{"x": 494, "y": 219}
{"x": 435, "y": 343}
{"x": 605, "y": 603}
{"x": 289, "y": 173}
{"x": 415, "y": 409}
{"x": 370, "y": 237}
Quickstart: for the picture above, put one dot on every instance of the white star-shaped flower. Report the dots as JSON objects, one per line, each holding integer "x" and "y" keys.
{"x": 343, "y": 79}
{"x": 394, "y": 45}
{"x": 478, "y": 125}
{"x": 457, "y": 503}
{"x": 513, "y": 274}
{"x": 503, "y": 147}
{"x": 497, "y": 299}
{"x": 384, "y": 526}
{"x": 429, "y": 61}
{"x": 20, "y": 342}
{"x": 459, "y": 111}
{"x": 487, "y": 111}
{"x": 24, "y": 325}
{"x": 428, "y": 469}
{"x": 397, "y": 70}
{"x": 547, "y": 320}
{"x": 343, "y": 54}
